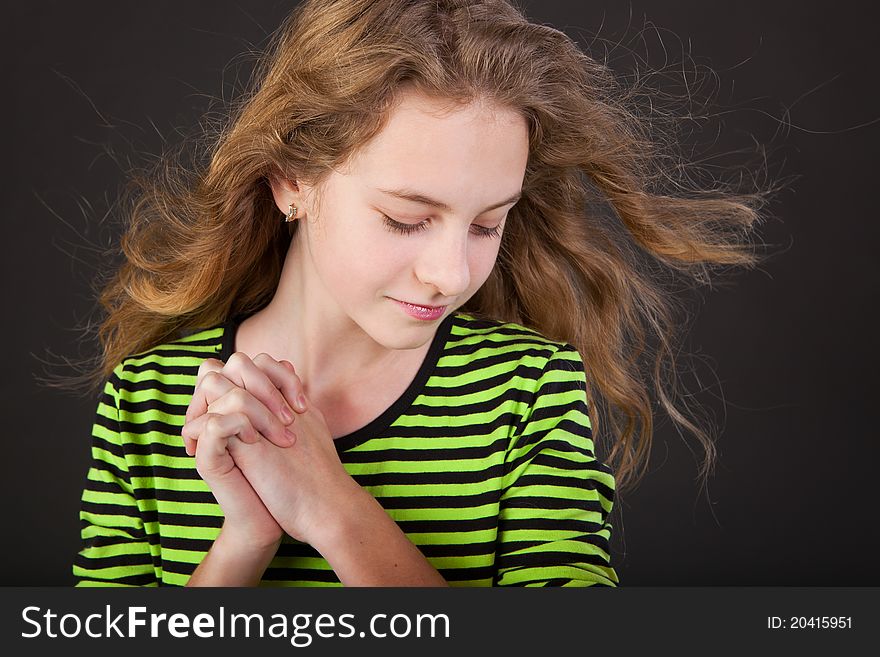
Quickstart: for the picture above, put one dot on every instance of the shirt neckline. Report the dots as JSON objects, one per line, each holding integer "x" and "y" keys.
{"x": 397, "y": 408}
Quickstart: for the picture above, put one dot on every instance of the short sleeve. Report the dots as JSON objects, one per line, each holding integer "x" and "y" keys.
{"x": 115, "y": 550}
{"x": 554, "y": 527}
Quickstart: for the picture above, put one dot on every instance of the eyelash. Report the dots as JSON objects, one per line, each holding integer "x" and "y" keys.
{"x": 409, "y": 229}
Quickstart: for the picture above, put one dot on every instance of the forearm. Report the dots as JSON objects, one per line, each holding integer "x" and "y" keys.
{"x": 367, "y": 548}
{"x": 230, "y": 563}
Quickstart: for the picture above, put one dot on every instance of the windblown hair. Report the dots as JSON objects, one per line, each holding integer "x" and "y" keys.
{"x": 204, "y": 245}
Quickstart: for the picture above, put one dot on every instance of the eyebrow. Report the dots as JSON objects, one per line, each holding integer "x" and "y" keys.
{"x": 417, "y": 197}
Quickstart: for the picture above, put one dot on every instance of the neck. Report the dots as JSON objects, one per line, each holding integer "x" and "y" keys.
{"x": 330, "y": 352}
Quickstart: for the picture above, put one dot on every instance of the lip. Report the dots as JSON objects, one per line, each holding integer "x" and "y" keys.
{"x": 418, "y": 311}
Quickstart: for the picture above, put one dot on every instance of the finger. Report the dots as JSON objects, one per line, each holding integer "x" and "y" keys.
{"x": 212, "y": 386}
{"x": 283, "y": 376}
{"x": 192, "y": 431}
{"x": 189, "y": 444}
{"x": 239, "y": 400}
{"x": 212, "y": 455}
{"x": 258, "y": 377}
{"x": 199, "y": 403}
{"x": 301, "y": 396}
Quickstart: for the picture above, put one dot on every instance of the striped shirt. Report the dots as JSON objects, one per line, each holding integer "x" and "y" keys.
{"x": 486, "y": 462}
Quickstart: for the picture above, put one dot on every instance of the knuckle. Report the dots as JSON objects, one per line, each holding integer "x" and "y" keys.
{"x": 263, "y": 358}
{"x": 203, "y": 467}
{"x": 239, "y": 396}
{"x": 242, "y": 421}
{"x": 237, "y": 360}
{"x": 213, "y": 425}
{"x": 209, "y": 365}
{"x": 211, "y": 379}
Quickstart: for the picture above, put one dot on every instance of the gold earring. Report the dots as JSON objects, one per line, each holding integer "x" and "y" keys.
{"x": 291, "y": 213}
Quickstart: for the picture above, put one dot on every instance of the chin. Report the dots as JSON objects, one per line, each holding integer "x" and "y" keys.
{"x": 414, "y": 338}
{"x": 403, "y": 334}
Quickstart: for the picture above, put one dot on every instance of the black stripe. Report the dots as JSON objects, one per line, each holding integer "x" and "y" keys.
{"x": 381, "y": 456}
{"x": 503, "y": 378}
{"x": 106, "y": 445}
{"x": 188, "y": 544}
{"x": 130, "y": 560}
{"x": 547, "y": 524}
{"x": 215, "y": 341}
{"x": 109, "y": 509}
{"x": 458, "y": 396}
{"x": 154, "y": 404}
{"x": 164, "y": 369}
{"x": 437, "y": 550}
{"x": 422, "y": 431}
{"x": 291, "y": 548}
{"x": 193, "y": 496}
{"x": 159, "y": 386}
{"x": 447, "y": 370}
{"x": 159, "y": 449}
{"x": 148, "y": 426}
{"x": 448, "y": 526}
{"x": 515, "y": 546}
{"x": 128, "y": 580}
{"x": 554, "y": 480}
{"x": 151, "y": 471}
{"x": 299, "y": 575}
{"x": 183, "y": 519}
{"x": 548, "y": 559}
{"x": 508, "y": 348}
{"x": 467, "y": 574}
{"x": 180, "y": 350}
{"x": 556, "y": 410}
{"x": 435, "y": 502}
{"x": 559, "y": 581}
{"x": 493, "y": 326}
{"x": 539, "y": 502}
{"x": 427, "y": 478}
{"x": 540, "y": 446}
{"x": 131, "y": 533}
{"x": 112, "y": 470}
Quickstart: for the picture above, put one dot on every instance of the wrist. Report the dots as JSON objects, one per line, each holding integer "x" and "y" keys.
{"x": 365, "y": 547}
{"x": 240, "y": 543}
{"x": 232, "y": 561}
{"x": 354, "y": 510}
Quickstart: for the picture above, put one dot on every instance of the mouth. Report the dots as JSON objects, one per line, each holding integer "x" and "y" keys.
{"x": 420, "y": 311}
{"x": 420, "y": 305}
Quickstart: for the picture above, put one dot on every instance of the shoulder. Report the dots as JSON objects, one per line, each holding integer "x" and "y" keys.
{"x": 172, "y": 365}
{"x": 491, "y": 338}
{"x": 485, "y": 354}
{"x": 540, "y": 381}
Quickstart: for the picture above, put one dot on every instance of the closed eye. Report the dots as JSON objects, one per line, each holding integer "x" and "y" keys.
{"x": 410, "y": 229}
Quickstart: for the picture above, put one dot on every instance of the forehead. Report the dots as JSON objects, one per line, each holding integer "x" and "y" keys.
{"x": 435, "y": 144}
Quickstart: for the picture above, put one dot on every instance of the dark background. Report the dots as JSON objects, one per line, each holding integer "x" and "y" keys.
{"x": 791, "y": 344}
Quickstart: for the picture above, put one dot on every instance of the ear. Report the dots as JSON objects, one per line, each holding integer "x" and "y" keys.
{"x": 286, "y": 193}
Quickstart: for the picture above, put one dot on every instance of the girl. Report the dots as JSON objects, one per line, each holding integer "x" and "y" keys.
{"x": 358, "y": 331}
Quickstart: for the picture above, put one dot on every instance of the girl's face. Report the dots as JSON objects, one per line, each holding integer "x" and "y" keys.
{"x": 417, "y": 217}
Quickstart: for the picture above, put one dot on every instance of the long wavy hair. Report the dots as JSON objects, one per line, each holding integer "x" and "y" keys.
{"x": 605, "y": 215}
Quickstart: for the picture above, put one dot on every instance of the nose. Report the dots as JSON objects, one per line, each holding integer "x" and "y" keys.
{"x": 443, "y": 263}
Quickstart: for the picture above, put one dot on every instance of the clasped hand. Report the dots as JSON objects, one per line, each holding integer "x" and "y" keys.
{"x": 271, "y": 468}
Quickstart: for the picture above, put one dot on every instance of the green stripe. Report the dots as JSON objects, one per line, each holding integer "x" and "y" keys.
{"x": 473, "y": 487}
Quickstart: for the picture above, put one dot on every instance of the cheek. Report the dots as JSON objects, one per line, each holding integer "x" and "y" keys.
{"x": 358, "y": 253}
{"x": 481, "y": 261}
